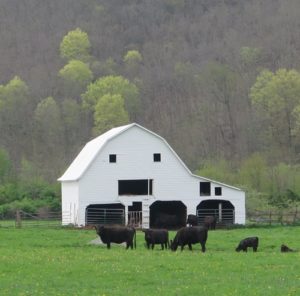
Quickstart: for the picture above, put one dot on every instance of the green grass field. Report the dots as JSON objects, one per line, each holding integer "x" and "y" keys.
{"x": 61, "y": 262}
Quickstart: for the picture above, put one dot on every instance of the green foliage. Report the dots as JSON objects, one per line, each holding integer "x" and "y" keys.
{"x": 113, "y": 85}
{"x": 75, "y": 46}
{"x": 29, "y": 196}
{"x": 5, "y": 165}
{"x": 47, "y": 116}
{"x": 132, "y": 57}
{"x": 253, "y": 173}
{"x": 219, "y": 170}
{"x": 76, "y": 76}
{"x": 276, "y": 96}
{"x": 250, "y": 55}
{"x": 109, "y": 112}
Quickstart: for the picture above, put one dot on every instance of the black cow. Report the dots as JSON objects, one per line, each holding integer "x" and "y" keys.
{"x": 156, "y": 236}
{"x": 164, "y": 220}
{"x": 249, "y": 242}
{"x": 210, "y": 222}
{"x": 189, "y": 236}
{"x": 285, "y": 249}
{"x": 192, "y": 220}
{"x": 117, "y": 234}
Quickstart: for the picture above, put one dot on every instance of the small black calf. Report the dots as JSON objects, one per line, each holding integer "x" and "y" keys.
{"x": 285, "y": 249}
{"x": 249, "y": 242}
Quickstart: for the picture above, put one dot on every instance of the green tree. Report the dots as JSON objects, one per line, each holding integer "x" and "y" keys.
{"x": 132, "y": 60}
{"x": 48, "y": 137}
{"x": 15, "y": 119}
{"x": 5, "y": 165}
{"x": 276, "y": 97}
{"x": 113, "y": 85}
{"x": 109, "y": 112}
{"x": 75, "y": 46}
{"x": 76, "y": 75}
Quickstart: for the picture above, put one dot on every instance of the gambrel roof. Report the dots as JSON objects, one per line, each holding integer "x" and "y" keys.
{"x": 89, "y": 152}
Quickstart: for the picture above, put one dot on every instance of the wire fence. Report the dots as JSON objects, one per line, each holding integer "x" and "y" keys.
{"x": 23, "y": 219}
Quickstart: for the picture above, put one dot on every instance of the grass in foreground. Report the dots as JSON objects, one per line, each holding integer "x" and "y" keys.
{"x": 61, "y": 262}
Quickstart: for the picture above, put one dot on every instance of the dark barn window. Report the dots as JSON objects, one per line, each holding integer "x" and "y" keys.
{"x": 218, "y": 190}
{"x": 156, "y": 157}
{"x": 135, "y": 187}
{"x": 112, "y": 158}
{"x": 204, "y": 188}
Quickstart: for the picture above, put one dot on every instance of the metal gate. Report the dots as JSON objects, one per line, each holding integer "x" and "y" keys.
{"x": 104, "y": 216}
{"x": 225, "y": 216}
{"x": 135, "y": 219}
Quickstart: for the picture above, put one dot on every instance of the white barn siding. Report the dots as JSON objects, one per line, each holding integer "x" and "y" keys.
{"x": 134, "y": 147}
{"x": 70, "y": 203}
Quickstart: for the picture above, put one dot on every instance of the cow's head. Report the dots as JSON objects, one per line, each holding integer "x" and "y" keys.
{"x": 173, "y": 245}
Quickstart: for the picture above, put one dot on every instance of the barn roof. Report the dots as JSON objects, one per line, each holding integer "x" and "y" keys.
{"x": 89, "y": 152}
{"x": 92, "y": 148}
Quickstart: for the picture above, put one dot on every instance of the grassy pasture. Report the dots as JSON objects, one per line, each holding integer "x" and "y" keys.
{"x": 61, "y": 262}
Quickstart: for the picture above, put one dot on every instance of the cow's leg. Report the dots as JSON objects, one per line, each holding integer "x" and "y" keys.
{"x": 254, "y": 249}
{"x": 245, "y": 250}
{"x": 203, "y": 247}
{"x": 108, "y": 245}
{"x": 152, "y": 246}
{"x": 182, "y": 247}
{"x": 190, "y": 246}
{"x": 162, "y": 246}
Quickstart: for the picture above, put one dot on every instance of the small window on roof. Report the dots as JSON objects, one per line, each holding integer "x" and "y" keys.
{"x": 156, "y": 157}
{"x": 112, "y": 158}
{"x": 218, "y": 190}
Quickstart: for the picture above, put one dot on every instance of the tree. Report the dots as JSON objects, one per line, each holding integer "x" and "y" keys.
{"x": 75, "y": 46}
{"x": 5, "y": 165}
{"x": 15, "y": 119}
{"x": 276, "y": 97}
{"x": 132, "y": 60}
{"x": 48, "y": 137}
{"x": 113, "y": 85}
{"x": 76, "y": 76}
{"x": 109, "y": 112}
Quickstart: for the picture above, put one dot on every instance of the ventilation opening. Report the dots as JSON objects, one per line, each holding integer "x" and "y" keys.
{"x": 105, "y": 214}
{"x": 167, "y": 214}
{"x": 205, "y": 188}
{"x": 223, "y": 210}
{"x": 135, "y": 187}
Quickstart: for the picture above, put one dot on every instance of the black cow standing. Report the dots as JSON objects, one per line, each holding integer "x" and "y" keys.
{"x": 189, "y": 236}
{"x": 249, "y": 242}
{"x": 210, "y": 222}
{"x": 117, "y": 234}
{"x": 164, "y": 220}
{"x": 192, "y": 220}
{"x": 156, "y": 236}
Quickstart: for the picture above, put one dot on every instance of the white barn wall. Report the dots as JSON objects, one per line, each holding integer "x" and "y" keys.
{"x": 134, "y": 148}
{"x": 70, "y": 203}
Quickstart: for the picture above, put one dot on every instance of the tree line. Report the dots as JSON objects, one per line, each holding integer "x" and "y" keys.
{"x": 218, "y": 79}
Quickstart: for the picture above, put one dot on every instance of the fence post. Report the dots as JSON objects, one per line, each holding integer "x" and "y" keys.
{"x": 18, "y": 219}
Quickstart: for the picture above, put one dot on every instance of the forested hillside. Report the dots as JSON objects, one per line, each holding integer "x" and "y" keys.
{"x": 218, "y": 79}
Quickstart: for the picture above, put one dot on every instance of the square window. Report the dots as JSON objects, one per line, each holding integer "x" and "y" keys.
{"x": 156, "y": 157}
{"x": 205, "y": 188}
{"x": 112, "y": 158}
{"x": 218, "y": 190}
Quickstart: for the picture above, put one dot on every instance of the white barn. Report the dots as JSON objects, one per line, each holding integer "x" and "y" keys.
{"x": 130, "y": 172}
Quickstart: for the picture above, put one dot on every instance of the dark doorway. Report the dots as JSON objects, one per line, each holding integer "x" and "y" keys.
{"x": 135, "y": 187}
{"x": 105, "y": 214}
{"x": 167, "y": 214}
{"x": 223, "y": 210}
